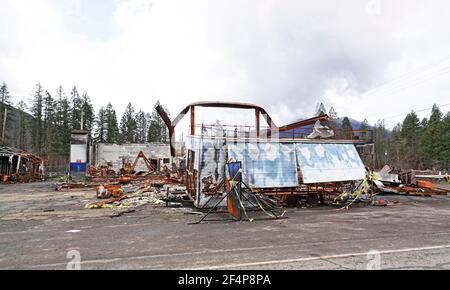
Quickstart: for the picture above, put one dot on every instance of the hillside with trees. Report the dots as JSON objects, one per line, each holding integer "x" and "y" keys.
{"x": 415, "y": 143}
{"x": 44, "y": 124}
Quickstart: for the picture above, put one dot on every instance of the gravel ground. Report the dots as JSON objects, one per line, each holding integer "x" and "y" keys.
{"x": 38, "y": 228}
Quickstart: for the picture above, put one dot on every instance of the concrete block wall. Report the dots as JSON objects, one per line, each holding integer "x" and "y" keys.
{"x": 114, "y": 154}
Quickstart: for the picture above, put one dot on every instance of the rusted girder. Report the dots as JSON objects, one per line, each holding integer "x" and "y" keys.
{"x": 303, "y": 123}
{"x": 172, "y": 124}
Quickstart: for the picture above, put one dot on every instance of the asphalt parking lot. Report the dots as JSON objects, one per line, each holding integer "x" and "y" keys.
{"x": 40, "y": 227}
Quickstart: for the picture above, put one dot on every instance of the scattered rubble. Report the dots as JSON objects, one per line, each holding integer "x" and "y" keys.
{"x": 309, "y": 163}
{"x": 130, "y": 196}
{"x": 386, "y": 181}
{"x": 128, "y": 188}
{"x": 408, "y": 182}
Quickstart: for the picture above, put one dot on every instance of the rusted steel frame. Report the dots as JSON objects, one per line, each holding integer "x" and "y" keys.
{"x": 303, "y": 123}
{"x": 231, "y": 105}
{"x": 172, "y": 124}
{"x": 170, "y": 127}
{"x": 146, "y": 161}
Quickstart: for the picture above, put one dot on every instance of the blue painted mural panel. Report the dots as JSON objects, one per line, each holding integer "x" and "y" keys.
{"x": 212, "y": 159}
{"x": 329, "y": 163}
{"x": 266, "y": 164}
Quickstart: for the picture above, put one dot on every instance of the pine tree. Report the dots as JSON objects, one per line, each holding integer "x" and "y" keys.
{"x": 395, "y": 147}
{"x": 5, "y": 97}
{"x": 157, "y": 130}
{"x": 346, "y": 128}
{"x": 364, "y": 126}
{"x": 112, "y": 128}
{"x": 142, "y": 128}
{"x": 332, "y": 114}
{"x": 5, "y": 100}
{"x": 410, "y": 135}
{"x": 49, "y": 128}
{"x": 436, "y": 114}
{"x": 128, "y": 126}
{"x": 154, "y": 131}
{"x": 77, "y": 108}
{"x": 63, "y": 119}
{"x": 381, "y": 143}
{"x": 101, "y": 124}
{"x": 37, "y": 113}
{"x": 320, "y": 109}
{"x": 444, "y": 140}
{"x": 21, "y": 133}
{"x": 88, "y": 113}
{"x": 430, "y": 144}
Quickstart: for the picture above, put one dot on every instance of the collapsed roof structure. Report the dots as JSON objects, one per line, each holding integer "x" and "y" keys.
{"x": 303, "y": 158}
{"x": 20, "y": 166}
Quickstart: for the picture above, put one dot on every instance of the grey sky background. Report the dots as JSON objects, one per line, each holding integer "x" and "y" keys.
{"x": 367, "y": 58}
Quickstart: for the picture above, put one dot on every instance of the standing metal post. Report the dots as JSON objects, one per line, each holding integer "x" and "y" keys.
{"x": 193, "y": 121}
{"x": 239, "y": 187}
{"x": 257, "y": 122}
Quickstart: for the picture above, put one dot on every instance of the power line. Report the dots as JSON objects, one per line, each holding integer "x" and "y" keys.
{"x": 413, "y": 83}
{"x": 412, "y": 79}
{"x": 398, "y": 80}
{"x": 416, "y": 111}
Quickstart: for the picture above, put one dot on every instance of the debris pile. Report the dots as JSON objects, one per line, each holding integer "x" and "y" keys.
{"x": 364, "y": 192}
{"x": 391, "y": 181}
{"x": 104, "y": 175}
{"x": 130, "y": 196}
{"x": 20, "y": 166}
{"x": 408, "y": 182}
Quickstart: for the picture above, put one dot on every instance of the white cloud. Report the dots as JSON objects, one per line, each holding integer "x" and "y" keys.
{"x": 283, "y": 55}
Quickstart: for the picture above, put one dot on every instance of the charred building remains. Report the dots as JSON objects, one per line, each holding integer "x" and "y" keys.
{"x": 303, "y": 158}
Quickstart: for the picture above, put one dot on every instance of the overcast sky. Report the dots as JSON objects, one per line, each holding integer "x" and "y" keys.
{"x": 368, "y": 58}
